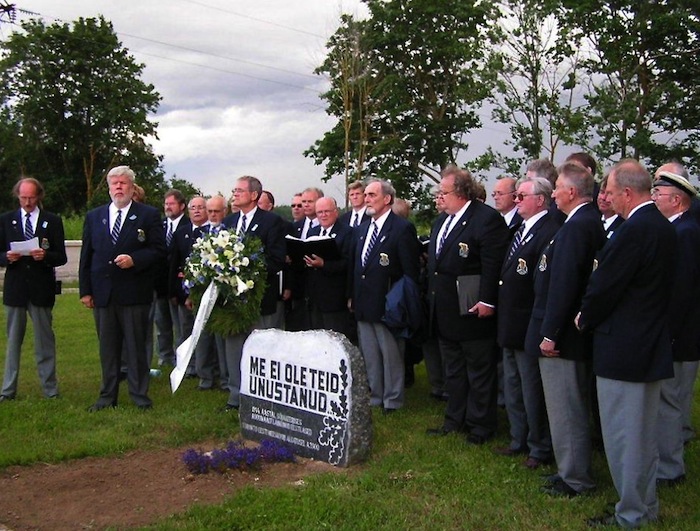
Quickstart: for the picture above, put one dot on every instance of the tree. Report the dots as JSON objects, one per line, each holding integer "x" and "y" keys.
{"x": 74, "y": 101}
{"x": 538, "y": 91}
{"x": 643, "y": 65}
{"x": 425, "y": 79}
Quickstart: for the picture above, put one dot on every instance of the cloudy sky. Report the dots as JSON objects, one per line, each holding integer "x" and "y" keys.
{"x": 239, "y": 96}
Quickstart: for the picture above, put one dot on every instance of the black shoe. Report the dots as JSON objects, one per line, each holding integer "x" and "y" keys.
{"x": 53, "y": 397}
{"x": 478, "y": 440}
{"x": 389, "y": 410}
{"x": 5, "y": 398}
{"x": 670, "y": 483}
{"x": 99, "y": 407}
{"x": 200, "y": 388}
{"x": 144, "y": 407}
{"x": 559, "y": 489}
{"x": 604, "y": 520}
{"x": 229, "y": 407}
{"x": 510, "y": 452}
{"x": 440, "y": 397}
{"x": 439, "y": 432}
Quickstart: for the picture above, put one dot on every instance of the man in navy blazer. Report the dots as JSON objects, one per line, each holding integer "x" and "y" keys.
{"x": 385, "y": 250}
{"x": 269, "y": 229}
{"x": 673, "y": 194}
{"x": 626, "y": 306}
{"x": 564, "y": 354}
{"x": 30, "y": 284}
{"x": 326, "y": 279}
{"x": 122, "y": 241}
{"x": 468, "y": 240}
{"x": 524, "y": 397}
{"x": 357, "y": 214}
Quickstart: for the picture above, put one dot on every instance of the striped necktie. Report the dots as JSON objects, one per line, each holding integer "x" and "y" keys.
{"x": 372, "y": 241}
{"x": 355, "y": 219}
{"x": 244, "y": 224}
{"x": 444, "y": 234}
{"x": 517, "y": 239}
{"x": 28, "y": 231}
{"x": 117, "y": 227}
{"x": 169, "y": 234}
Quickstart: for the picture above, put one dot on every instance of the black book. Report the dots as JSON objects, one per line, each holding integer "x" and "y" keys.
{"x": 323, "y": 246}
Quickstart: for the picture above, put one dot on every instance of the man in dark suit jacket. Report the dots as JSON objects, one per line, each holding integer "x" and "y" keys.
{"x": 386, "y": 249}
{"x": 30, "y": 284}
{"x": 165, "y": 311}
{"x": 524, "y": 397}
{"x": 357, "y": 214}
{"x": 688, "y": 368}
{"x": 467, "y": 241}
{"x": 269, "y": 228}
{"x": 560, "y": 281}
{"x": 673, "y": 195}
{"x": 326, "y": 279}
{"x": 121, "y": 243}
{"x": 626, "y": 306}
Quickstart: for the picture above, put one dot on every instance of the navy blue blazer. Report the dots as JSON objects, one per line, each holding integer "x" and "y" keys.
{"x": 476, "y": 245}
{"x": 627, "y": 300}
{"x": 28, "y": 280}
{"x": 270, "y": 229}
{"x": 394, "y": 255}
{"x": 141, "y": 237}
{"x": 561, "y": 277}
{"x": 180, "y": 250}
{"x": 516, "y": 291}
{"x": 684, "y": 310}
{"x": 162, "y": 269}
{"x": 346, "y": 217}
{"x": 326, "y": 287}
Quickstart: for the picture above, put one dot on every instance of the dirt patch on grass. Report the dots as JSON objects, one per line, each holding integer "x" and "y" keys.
{"x": 132, "y": 490}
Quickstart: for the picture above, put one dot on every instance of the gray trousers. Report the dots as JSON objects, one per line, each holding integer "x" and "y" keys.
{"x": 566, "y": 384}
{"x": 524, "y": 400}
{"x": 628, "y": 416}
{"x": 234, "y": 353}
{"x": 687, "y": 374}
{"x": 383, "y": 356}
{"x": 44, "y": 347}
{"x": 168, "y": 328}
{"x": 670, "y": 428}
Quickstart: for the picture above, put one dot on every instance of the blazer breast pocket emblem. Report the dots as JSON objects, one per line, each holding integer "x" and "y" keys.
{"x": 45, "y": 244}
{"x": 543, "y": 263}
{"x": 140, "y": 235}
{"x": 383, "y": 259}
{"x": 522, "y": 267}
{"x": 463, "y": 250}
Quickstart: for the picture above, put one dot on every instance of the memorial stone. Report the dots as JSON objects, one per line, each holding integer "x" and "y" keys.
{"x": 307, "y": 389}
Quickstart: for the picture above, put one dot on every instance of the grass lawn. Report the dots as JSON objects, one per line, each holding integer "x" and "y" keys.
{"x": 412, "y": 481}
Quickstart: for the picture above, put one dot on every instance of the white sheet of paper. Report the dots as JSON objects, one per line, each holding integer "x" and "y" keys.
{"x": 24, "y": 247}
{"x": 184, "y": 351}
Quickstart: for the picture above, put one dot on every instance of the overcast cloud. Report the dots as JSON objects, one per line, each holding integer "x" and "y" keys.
{"x": 236, "y": 78}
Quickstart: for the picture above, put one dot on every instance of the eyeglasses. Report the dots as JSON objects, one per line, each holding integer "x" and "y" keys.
{"x": 499, "y": 194}
{"x": 520, "y": 197}
{"x": 214, "y": 211}
{"x": 240, "y": 191}
{"x": 197, "y": 207}
{"x": 656, "y": 193}
{"x": 297, "y": 205}
{"x": 440, "y": 193}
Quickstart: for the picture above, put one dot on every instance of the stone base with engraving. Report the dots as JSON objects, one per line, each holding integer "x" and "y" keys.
{"x": 309, "y": 390}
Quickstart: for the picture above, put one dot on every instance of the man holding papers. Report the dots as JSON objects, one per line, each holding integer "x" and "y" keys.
{"x": 33, "y": 244}
{"x": 326, "y": 278}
